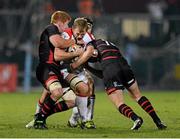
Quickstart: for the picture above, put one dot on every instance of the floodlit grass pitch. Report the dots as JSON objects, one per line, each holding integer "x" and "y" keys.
{"x": 17, "y": 109}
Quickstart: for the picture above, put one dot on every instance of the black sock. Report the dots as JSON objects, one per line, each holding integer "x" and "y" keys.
{"x": 59, "y": 107}
{"x": 128, "y": 112}
{"x": 47, "y": 107}
{"x": 146, "y": 105}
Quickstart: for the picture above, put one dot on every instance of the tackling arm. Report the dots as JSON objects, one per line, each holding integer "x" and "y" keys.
{"x": 60, "y": 54}
{"x": 83, "y": 58}
{"x": 59, "y": 42}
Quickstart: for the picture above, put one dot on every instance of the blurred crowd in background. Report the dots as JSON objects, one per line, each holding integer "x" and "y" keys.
{"x": 146, "y": 31}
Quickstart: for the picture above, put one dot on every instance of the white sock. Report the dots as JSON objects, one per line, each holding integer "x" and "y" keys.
{"x": 75, "y": 116}
{"x": 81, "y": 103}
{"x": 90, "y": 111}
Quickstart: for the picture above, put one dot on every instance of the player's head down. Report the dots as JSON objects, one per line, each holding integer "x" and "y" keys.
{"x": 79, "y": 28}
{"x": 61, "y": 19}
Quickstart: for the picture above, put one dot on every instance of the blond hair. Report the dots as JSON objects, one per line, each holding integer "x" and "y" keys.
{"x": 81, "y": 23}
{"x": 60, "y": 16}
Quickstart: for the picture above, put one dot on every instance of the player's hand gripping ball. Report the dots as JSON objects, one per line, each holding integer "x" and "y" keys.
{"x": 76, "y": 48}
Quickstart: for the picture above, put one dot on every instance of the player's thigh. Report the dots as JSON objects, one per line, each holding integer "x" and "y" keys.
{"x": 112, "y": 81}
{"x": 77, "y": 84}
{"x": 49, "y": 79}
{"x": 116, "y": 98}
{"x": 134, "y": 91}
{"x": 69, "y": 96}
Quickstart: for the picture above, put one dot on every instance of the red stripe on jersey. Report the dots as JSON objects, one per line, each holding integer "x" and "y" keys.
{"x": 54, "y": 77}
{"x": 51, "y": 57}
{"x": 52, "y": 62}
{"x": 69, "y": 32}
{"x": 91, "y": 36}
{"x": 101, "y": 45}
{"x": 109, "y": 50}
{"x": 110, "y": 57}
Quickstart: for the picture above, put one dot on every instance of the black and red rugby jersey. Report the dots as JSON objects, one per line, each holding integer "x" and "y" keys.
{"x": 46, "y": 49}
{"x": 107, "y": 51}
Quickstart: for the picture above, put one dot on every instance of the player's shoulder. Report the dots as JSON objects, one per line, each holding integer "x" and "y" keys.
{"x": 68, "y": 31}
{"x": 51, "y": 27}
{"x": 88, "y": 37}
{"x": 67, "y": 34}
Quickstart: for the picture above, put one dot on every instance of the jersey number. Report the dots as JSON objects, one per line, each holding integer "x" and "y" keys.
{"x": 109, "y": 43}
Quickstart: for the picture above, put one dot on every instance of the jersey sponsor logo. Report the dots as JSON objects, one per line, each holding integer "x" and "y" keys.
{"x": 116, "y": 84}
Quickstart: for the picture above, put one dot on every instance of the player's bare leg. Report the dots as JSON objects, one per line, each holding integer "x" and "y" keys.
{"x": 82, "y": 94}
{"x": 65, "y": 104}
{"x": 91, "y": 102}
{"x": 73, "y": 121}
{"x": 60, "y": 106}
{"x": 117, "y": 99}
{"x": 49, "y": 104}
{"x": 145, "y": 105}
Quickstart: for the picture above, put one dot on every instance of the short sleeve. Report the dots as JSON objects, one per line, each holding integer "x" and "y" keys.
{"x": 52, "y": 30}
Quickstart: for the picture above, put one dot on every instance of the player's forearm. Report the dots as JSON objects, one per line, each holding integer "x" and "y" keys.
{"x": 64, "y": 56}
{"x": 59, "y": 42}
{"x": 66, "y": 43}
{"x": 77, "y": 63}
{"x": 83, "y": 58}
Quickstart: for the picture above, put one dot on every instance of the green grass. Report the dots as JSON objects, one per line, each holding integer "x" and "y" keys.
{"x": 17, "y": 109}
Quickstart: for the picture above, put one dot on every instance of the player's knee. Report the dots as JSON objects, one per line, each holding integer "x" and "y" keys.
{"x": 69, "y": 95}
{"x": 135, "y": 93}
{"x": 56, "y": 90}
{"x": 91, "y": 81}
{"x": 79, "y": 86}
{"x": 74, "y": 82}
{"x": 83, "y": 89}
{"x": 70, "y": 103}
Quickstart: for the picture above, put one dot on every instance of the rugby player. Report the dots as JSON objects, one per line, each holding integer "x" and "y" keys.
{"x": 83, "y": 76}
{"x": 72, "y": 33}
{"x": 117, "y": 75}
{"x": 47, "y": 71}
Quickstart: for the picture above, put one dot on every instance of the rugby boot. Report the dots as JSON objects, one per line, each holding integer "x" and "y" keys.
{"x": 137, "y": 124}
